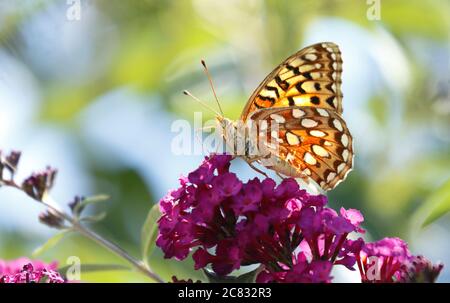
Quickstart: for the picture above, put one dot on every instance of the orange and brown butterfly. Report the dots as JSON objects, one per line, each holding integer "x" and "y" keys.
{"x": 303, "y": 97}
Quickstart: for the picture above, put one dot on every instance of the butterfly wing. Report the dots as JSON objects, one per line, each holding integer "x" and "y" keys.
{"x": 314, "y": 142}
{"x": 310, "y": 77}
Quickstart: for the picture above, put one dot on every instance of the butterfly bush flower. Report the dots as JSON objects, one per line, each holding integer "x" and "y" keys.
{"x": 15, "y": 266}
{"x": 23, "y": 270}
{"x": 39, "y": 183}
{"x": 389, "y": 260}
{"x": 419, "y": 270}
{"x": 229, "y": 223}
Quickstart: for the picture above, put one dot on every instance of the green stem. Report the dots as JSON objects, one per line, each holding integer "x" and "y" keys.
{"x": 83, "y": 230}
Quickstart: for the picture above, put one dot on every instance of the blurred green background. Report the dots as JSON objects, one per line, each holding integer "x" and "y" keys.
{"x": 96, "y": 98}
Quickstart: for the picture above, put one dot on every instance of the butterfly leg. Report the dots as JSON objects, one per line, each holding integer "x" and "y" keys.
{"x": 199, "y": 135}
{"x": 257, "y": 169}
{"x": 280, "y": 175}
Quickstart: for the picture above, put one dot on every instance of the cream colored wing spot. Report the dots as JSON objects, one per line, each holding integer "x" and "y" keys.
{"x": 331, "y": 176}
{"x": 292, "y": 139}
{"x": 322, "y": 112}
{"x": 344, "y": 140}
{"x": 309, "y": 123}
{"x": 306, "y": 68}
{"x": 297, "y": 113}
{"x": 308, "y": 87}
{"x": 338, "y": 125}
{"x": 340, "y": 167}
{"x": 310, "y": 57}
{"x": 317, "y": 133}
{"x": 345, "y": 155}
{"x": 320, "y": 151}
{"x": 309, "y": 159}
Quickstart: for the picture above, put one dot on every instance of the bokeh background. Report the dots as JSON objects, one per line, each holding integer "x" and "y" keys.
{"x": 96, "y": 98}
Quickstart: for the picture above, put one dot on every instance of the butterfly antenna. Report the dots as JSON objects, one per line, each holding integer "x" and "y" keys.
{"x": 212, "y": 85}
{"x": 187, "y": 93}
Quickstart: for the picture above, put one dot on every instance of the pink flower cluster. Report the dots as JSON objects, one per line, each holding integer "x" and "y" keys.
{"x": 389, "y": 260}
{"x": 24, "y": 270}
{"x": 228, "y": 223}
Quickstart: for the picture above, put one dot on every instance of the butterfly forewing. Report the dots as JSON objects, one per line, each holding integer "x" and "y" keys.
{"x": 315, "y": 142}
{"x": 311, "y": 77}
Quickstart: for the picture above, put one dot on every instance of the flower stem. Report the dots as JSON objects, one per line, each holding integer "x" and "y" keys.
{"x": 88, "y": 233}
{"x": 106, "y": 243}
{"x": 117, "y": 250}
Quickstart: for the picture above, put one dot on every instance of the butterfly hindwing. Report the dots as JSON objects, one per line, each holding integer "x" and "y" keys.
{"x": 310, "y": 77}
{"x": 315, "y": 142}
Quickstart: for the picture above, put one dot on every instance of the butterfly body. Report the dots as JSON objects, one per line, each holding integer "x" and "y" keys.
{"x": 239, "y": 140}
{"x": 293, "y": 121}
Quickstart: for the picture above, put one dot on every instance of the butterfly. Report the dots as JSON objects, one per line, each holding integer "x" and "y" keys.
{"x": 303, "y": 99}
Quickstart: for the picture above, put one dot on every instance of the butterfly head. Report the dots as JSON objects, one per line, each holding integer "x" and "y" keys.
{"x": 224, "y": 124}
{"x": 227, "y": 128}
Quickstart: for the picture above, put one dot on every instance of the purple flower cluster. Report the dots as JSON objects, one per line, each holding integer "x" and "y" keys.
{"x": 389, "y": 260}
{"x": 419, "y": 270}
{"x": 23, "y": 270}
{"x": 230, "y": 224}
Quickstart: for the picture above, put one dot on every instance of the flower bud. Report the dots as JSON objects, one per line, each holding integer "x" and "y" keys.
{"x": 75, "y": 205}
{"x": 51, "y": 219}
{"x": 12, "y": 160}
{"x": 39, "y": 183}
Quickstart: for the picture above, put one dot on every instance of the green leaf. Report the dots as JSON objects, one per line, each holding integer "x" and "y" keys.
{"x": 94, "y": 199}
{"x": 50, "y": 243}
{"x": 94, "y": 218}
{"x": 149, "y": 232}
{"x": 249, "y": 277}
{"x": 89, "y": 200}
{"x": 437, "y": 204}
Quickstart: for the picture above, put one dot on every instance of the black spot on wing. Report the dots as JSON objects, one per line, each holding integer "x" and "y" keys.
{"x": 315, "y": 100}
{"x": 274, "y": 89}
{"x": 267, "y": 98}
{"x": 299, "y": 88}
{"x": 283, "y": 84}
{"x": 295, "y": 70}
{"x": 291, "y": 101}
{"x": 307, "y": 75}
{"x": 330, "y": 101}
